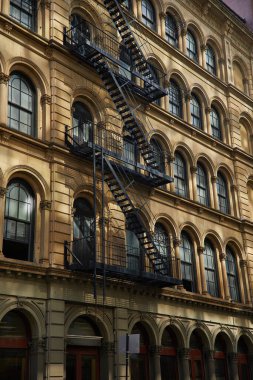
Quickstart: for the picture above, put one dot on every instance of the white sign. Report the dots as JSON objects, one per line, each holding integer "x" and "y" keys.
{"x": 133, "y": 344}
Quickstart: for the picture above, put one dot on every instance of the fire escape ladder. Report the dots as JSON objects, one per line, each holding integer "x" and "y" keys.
{"x": 122, "y": 25}
{"x": 130, "y": 121}
{"x": 133, "y": 219}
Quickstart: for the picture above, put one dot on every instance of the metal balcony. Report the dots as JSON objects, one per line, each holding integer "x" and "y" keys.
{"x": 85, "y": 40}
{"x": 116, "y": 260}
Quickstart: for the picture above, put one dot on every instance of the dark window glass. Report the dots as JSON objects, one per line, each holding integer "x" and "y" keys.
{"x": 187, "y": 262}
{"x": 81, "y": 123}
{"x": 196, "y": 117}
{"x": 24, "y": 12}
{"x": 80, "y": 33}
{"x": 155, "y": 79}
{"x": 125, "y": 56}
{"x": 210, "y": 269}
{"x": 232, "y": 275}
{"x": 171, "y": 30}
{"x": 202, "y": 186}
{"x": 21, "y": 104}
{"x": 175, "y": 99}
{"x": 133, "y": 251}
{"x": 191, "y": 46}
{"x": 210, "y": 60}
{"x": 215, "y": 124}
{"x": 161, "y": 240}
{"x": 180, "y": 179}
{"x": 148, "y": 14}
{"x": 19, "y": 221}
{"x": 130, "y": 151}
{"x": 159, "y": 155}
{"x": 222, "y": 194}
{"x": 83, "y": 224}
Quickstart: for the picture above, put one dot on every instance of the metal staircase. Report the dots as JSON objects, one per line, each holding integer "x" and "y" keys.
{"x": 103, "y": 62}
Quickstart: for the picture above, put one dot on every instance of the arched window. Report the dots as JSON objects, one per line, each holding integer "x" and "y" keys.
{"x": 24, "y": 12}
{"x": 168, "y": 355}
{"x": 187, "y": 262}
{"x": 159, "y": 155}
{"x": 83, "y": 350}
{"x": 196, "y": 357}
{"x": 80, "y": 33}
{"x": 196, "y": 117}
{"x": 215, "y": 123}
{"x": 83, "y": 233}
{"x": 238, "y": 76}
{"x": 232, "y": 275}
{"x": 171, "y": 30}
{"x": 15, "y": 337}
{"x": 81, "y": 123}
{"x": 210, "y": 60}
{"x": 191, "y": 46}
{"x": 161, "y": 240}
{"x": 132, "y": 251}
{"x": 180, "y": 177}
{"x": 175, "y": 99}
{"x": 148, "y": 14}
{"x": 244, "y": 133}
{"x": 210, "y": 269}
{"x": 21, "y": 104}
{"x": 243, "y": 359}
{"x": 19, "y": 221}
{"x": 139, "y": 363}
{"x": 202, "y": 186}
{"x": 222, "y": 194}
{"x": 220, "y": 358}
{"x": 130, "y": 151}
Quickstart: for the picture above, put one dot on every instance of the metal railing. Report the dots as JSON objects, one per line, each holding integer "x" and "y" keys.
{"x": 117, "y": 257}
{"x": 85, "y": 36}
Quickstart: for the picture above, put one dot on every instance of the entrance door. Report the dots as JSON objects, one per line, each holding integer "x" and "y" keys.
{"x": 243, "y": 367}
{"x": 82, "y": 363}
{"x": 196, "y": 365}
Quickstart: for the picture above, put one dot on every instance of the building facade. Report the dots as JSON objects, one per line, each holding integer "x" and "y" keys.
{"x": 126, "y": 190}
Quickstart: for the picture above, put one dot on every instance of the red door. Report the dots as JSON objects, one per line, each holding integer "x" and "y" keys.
{"x": 168, "y": 363}
{"x": 196, "y": 365}
{"x": 82, "y": 363}
{"x": 243, "y": 367}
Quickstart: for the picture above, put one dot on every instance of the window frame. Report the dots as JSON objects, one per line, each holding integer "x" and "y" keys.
{"x": 215, "y": 122}
{"x": 232, "y": 275}
{"x": 202, "y": 187}
{"x": 211, "y": 269}
{"x": 182, "y": 179}
{"x": 150, "y": 22}
{"x": 175, "y": 99}
{"x": 189, "y": 264}
{"x": 223, "y": 196}
{"x": 15, "y": 106}
{"x": 83, "y": 129}
{"x": 192, "y": 46}
{"x": 211, "y": 65}
{"x": 171, "y": 30}
{"x": 30, "y": 14}
{"x": 196, "y": 112}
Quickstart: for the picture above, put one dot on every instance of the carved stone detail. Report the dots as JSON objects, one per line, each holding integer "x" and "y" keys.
{"x": 222, "y": 256}
{"x": 46, "y": 99}
{"x": 3, "y": 191}
{"x": 214, "y": 179}
{"x": 176, "y": 242}
{"x": 45, "y": 4}
{"x": 243, "y": 263}
{"x": 45, "y": 205}
{"x": 4, "y": 78}
{"x": 201, "y": 250}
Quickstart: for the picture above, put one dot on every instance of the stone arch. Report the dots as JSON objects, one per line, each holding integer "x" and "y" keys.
{"x": 32, "y": 176}
{"x": 163, "y": 140}
{"x": 192, "y": 230}
{"x": 214, "y": 43}
{"x": 185, "y": 151}
{"x": 85, "y": 8}
{"x": 175, "y": 12}
{"x": 214, "y": 238}
{"x": 157, "y": 62}
{"x": 226, "y": 171}
{"x": 202, "y": 95}
{"x": 180, "y": 79}
{"x": 227, "y": 335}
{"x": 168, "y": 223}
{"x": 193, "y": 27}
{"x": 32, "y": 312}
{"x": 204, "y": 333}
{"x": 98, "y": 317}
{"x": 32, "y": 71}
{"x": 236, "y": 246}
{"x": 248, "y": 336}
{"x": 178, "y": 328}
{"x": 149, "y": 323}
{"x": 220, "y": 105}
{"x": 206, "y": 161}
{"x": 246, "y": 128}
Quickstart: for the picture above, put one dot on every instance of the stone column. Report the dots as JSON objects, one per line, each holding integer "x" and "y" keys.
{"x": 220, "y": 68}
{"x": 155, "y": 355}
{"x": 188, "y": 107}
{"x": 214, "y": 191}
{"x": 243, "y": 265}
{"x": 5, "y": 7}
{"x": 183, "y": 354}
{"x": 183, "y": 36}
{"x": 139, "y": 9}
{"x": 37, "y": 355}
{"x": 233, "y": 365}
{"x": 45, "y": 207}
{"x": 224, "y": 276}
{"x": 162, "y": 24}
{"x": 235, "y": 205}
{"x": 202, "y": 270}
{"x": 202, "y": 56}
{"x": 208, "y": 121}
{"x": 3, "y": 191}
{"x": 194, "y": 183}
{"x": 46, "y": 116}
{"x": 45, "y": 19}
{"x": 209, "y": 356}
{"x": 171, "y": 160}
{"x": 177, "y": 269}
{"x": 4, "y": 79}
{"x": 246, "y": 86}
{"x": 107, "y": 360}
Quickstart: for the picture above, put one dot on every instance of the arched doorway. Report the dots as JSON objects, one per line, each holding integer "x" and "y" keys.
{"x": 83, "y": 350}
{"x": 220, "y": 358}
{"x": 139, "y": 363}
{"x": 196, "y": 357}
{"x": 15, "y": 336}
{"x": 243, "y": 359}
{"x": 168, "y": 355}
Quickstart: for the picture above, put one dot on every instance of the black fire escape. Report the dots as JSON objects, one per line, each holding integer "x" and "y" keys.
{"x": 124, "y": 84}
